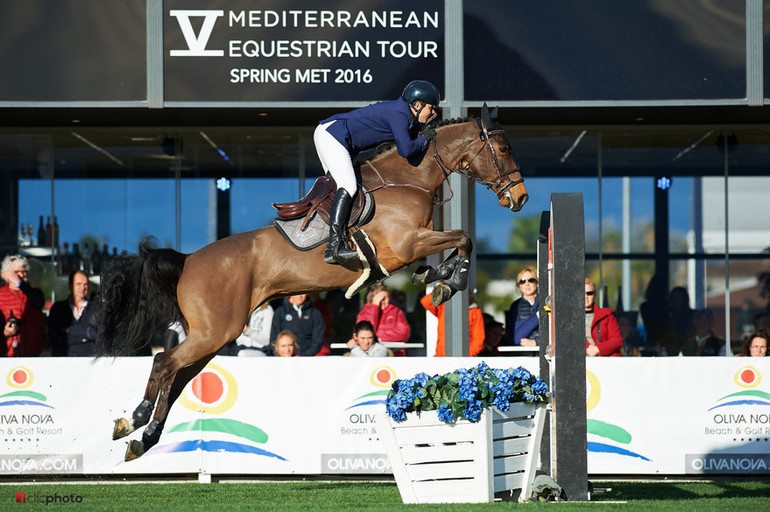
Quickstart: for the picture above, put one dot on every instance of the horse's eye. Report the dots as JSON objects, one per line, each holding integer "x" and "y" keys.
{"x": 504, "y": 149}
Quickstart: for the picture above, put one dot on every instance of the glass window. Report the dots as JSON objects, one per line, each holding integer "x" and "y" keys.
{"x": 252, "y": 200}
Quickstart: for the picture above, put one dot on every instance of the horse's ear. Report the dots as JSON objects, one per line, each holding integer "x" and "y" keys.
{"x": 493, "y": 114}
{"x": 485, "y": 117}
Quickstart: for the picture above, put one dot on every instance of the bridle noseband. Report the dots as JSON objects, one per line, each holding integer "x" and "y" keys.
{"x": 486, "y": 141}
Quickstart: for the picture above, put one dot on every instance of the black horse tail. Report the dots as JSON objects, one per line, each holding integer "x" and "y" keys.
{"x": 137, "y": 296}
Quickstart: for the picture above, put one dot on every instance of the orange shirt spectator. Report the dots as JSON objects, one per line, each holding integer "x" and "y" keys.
{"x": 475, "y": 326}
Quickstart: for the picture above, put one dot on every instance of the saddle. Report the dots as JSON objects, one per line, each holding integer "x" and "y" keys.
{"x": 319, "y": 200}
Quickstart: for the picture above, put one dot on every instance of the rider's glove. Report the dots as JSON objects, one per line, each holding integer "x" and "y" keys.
{"x": 428, "y": 133}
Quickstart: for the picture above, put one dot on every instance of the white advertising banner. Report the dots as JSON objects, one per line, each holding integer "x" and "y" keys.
{"x": 316, "y": 415}
{"x": 678, "y": 415}
{"x": 238, "y": 416}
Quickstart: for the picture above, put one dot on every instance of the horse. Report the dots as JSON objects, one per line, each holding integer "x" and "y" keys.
{"x": 213, "y": 291}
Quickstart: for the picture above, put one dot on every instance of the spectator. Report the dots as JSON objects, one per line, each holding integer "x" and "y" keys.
{"x": 493, "y": 335}
{"x": 756, "y": 344}
{"x": 21, "y": 309}
{"x": 388, "y": 320}
{"x": 678, "y": 326}
{"x": 633, "y": 344}
{"x": 475, "y": 325}
{"x": 654, "y": 310}
{"x": 255, "y": 338}
{"x": 762, "y": 321}
{"x": 602, "y": 331}
{"x": 522, "y": 321}
{"x": 298, "y": 315}
{"x": 285, "y": 344}
{"x": 328, "y": 315}
{"x": 364, "y": 342}
{"x": 704, "y": 340}
{"x": 70, "y": 329}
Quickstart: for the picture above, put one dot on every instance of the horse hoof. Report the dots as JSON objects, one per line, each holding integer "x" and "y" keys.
{"x": 123, "y": 427}
{"x": 441, "y": 294}
{"x": 420, "y": 275}
{"x": 134, "y": 450}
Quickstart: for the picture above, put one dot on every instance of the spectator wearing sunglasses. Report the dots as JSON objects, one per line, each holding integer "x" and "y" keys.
{"x": 602, "y": 332}
{"x": 521, "y": 320}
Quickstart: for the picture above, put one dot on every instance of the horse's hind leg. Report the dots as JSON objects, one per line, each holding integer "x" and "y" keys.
{"x": 170, "y": 390}
{"x": 142, "y": 413}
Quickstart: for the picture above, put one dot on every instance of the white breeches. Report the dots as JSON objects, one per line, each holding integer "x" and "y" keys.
{"x": 335, "y": 159}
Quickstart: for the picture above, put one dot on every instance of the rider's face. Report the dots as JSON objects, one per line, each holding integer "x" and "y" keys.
{"x": 426, "y": 114}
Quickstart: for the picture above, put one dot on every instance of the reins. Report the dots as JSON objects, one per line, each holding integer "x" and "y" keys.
{"x": 486, "y": 142}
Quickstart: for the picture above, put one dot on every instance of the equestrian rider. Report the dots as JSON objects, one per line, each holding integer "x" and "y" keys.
{"x": 342, "y": 136}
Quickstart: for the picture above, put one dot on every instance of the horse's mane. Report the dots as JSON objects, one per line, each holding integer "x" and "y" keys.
{"x": 376, "y": 152}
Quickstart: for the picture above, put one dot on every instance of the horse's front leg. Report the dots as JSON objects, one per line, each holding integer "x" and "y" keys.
{"x": 453, "y": 271}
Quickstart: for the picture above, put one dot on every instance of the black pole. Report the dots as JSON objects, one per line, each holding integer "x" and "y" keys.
{"x": 223, "y": 208}
{"x": 661, "y": 185}
{"x": 569, "y": 456}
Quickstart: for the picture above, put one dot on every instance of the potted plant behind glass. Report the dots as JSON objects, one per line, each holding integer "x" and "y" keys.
{"x": 464, "y": 436}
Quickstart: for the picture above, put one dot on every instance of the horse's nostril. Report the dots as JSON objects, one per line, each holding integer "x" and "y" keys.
{"x": 523, "y": 200}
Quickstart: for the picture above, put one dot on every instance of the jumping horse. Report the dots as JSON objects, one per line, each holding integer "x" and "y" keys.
{"x": 213, "y": 290}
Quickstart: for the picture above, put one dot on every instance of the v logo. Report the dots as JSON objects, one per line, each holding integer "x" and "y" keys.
{"x": 196, "y": 44}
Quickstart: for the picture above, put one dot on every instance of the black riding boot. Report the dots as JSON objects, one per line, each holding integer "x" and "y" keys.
{"x": 338, "y": 251}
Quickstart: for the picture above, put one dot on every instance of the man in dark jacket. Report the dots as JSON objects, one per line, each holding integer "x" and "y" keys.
{"x": 705, "y": 342}
{"x": 298, "y": 315}
{"x": 603, "y": 336}
{"x": 70, "y": 330}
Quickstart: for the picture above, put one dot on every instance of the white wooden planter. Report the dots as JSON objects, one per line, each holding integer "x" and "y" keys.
{"x": 434, "y": 462}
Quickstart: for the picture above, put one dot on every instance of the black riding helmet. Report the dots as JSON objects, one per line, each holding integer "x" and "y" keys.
{"x": 421, "y": 90}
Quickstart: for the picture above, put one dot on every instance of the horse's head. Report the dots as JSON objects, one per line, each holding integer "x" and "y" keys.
{"x": 495, "y": 165}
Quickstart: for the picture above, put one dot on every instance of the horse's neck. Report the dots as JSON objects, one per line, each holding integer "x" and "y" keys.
{"x": 428, "y": 174}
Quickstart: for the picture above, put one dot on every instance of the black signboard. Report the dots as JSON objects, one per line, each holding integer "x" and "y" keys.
{"x": 89, "y": 50}
{"x": 295, "y": 50}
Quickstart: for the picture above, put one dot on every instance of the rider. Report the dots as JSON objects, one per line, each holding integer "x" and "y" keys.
{"x": 342, "y": 136}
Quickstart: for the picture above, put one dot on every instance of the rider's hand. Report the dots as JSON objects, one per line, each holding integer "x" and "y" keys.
{"x": 428, "y": 132}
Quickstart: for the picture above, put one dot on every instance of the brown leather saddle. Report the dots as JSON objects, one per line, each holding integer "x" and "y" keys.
{"x": 319, "y": 200}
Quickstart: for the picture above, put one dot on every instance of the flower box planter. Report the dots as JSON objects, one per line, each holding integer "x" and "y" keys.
{"x": 464, "y": 462}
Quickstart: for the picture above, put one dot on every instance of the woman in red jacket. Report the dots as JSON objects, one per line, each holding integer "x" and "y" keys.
{"x": 603, "y": 336}
{"x": 388, "y": 320}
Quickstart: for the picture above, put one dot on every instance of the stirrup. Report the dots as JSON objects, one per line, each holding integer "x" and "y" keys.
{"x": 342, "y": 256}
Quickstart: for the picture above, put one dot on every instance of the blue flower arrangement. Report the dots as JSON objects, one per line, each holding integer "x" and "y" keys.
{"x": 464, "y": 393}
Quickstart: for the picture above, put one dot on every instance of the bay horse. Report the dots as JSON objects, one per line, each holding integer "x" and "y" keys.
{"x": 213, "y": 290}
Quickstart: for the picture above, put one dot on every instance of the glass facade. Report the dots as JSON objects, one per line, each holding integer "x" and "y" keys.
{"x": 620, "y": 190}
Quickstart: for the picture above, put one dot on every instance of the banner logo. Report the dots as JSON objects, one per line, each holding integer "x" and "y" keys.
{"x": 21, "y": 378}
{"x": 196, "y": 43}
{"x": 382, "y": 378}
{"x": 612, "y": 436}
{"x": 214, "y": 392}
{"x": 747, "y": 377}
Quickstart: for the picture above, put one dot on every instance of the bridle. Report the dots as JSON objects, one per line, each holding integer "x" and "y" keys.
{"x": 486, "y": 142}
